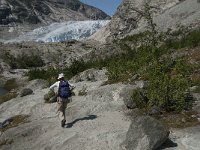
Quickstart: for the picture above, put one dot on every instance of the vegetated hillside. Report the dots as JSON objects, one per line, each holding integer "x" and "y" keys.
{"x": 158, "y": 74}
{"x": 132, "y": 17}
{"x": 99, "y": 112}
{"x": 165, "y": 64}
{"x": 25, "y": 15}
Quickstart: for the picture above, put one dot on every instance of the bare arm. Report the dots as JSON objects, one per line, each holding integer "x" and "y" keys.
{"x": 71, "y": 85}
{"x": 55, "y": 85}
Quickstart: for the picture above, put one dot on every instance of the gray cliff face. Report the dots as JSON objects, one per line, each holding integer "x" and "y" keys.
{"x": 129, "y": 18}
{"x": 46, "y": 11}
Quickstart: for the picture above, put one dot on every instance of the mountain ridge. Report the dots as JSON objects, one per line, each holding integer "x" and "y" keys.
{"x": 129, "y": 18}
{"x": 19, "y": 16}
{"x": 35, "y": 11}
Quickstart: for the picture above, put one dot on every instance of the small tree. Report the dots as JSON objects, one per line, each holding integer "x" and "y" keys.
{"x": 167, "y": 89}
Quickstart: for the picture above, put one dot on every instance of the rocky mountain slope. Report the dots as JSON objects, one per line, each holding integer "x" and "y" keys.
{"x": 130, "y": 17}
{"x": 56, "y": 54}
{"x": 96, "y": 119}
{"x": 99, "y": 116}
{"x": 46, "y": 11}
{"x": 25, "y": 15}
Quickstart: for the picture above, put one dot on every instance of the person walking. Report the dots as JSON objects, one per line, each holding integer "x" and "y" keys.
{"x": 63, "y": 90}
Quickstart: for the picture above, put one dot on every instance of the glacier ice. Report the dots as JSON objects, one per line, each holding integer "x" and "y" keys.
{"x": 56, "y": 32}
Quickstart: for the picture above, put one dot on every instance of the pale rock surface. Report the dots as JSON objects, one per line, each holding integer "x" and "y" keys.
{"x": 95, "y": 121}
{"x": 128, "y": 19}
{"x": 183, "y": 139}
{"x": 145, "y": 133}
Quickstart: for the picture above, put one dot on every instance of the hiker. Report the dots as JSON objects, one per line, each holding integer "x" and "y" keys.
{"x": 63, "y": 90}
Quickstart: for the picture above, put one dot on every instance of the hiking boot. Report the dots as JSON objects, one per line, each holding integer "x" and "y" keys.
{"x": 63, "y": 123}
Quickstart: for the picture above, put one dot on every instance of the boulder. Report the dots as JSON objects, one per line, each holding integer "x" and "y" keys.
{"x": 111, "y": 93}
{"x": 46, "y": 97}
{"x": 145, "y": 133}
{"x": 25, "y": 92}
{"x": 37, "y": 84}
{"x": 141, "y": 84}
{"x": 91, "y": 75}
{"x": 154, "y": 111}
{"x": 50, "y": 97}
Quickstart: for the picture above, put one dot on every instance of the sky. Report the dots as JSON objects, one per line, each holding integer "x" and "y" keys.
{"x": 108, "y": 6}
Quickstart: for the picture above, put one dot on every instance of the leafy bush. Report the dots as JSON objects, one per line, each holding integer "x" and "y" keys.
{"x": 166, "y": 90}
{"x": 76, "y": 67}
{"x": 138, "y": 96}
{"x": 23, "y": 61}
{"x": 48, "y": 97}
{"x": 191, "y": 39}
{"x": 50, "y": 74}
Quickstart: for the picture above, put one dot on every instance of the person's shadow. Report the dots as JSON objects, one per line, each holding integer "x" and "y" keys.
{"x": 90, "y": 117}
{"x": 168, "y": 144}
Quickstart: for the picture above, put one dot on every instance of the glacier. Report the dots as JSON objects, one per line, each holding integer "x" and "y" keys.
{"x": 65, "y": 31}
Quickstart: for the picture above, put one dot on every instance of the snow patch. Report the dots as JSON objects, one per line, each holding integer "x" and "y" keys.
{"x": 65, "y": 31}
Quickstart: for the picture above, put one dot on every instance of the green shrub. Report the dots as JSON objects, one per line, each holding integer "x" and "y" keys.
{"x": 50, "y": 74}
{"x": 76, "y": 67}
{"x": 166, "y": 90}
{"x": 139, "y": 98}
{"x": 49, "y": 95}
{"x": 181, "y": 40}
{"x": 23, "y": 61}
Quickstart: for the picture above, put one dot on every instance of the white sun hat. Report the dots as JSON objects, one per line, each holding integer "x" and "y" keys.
{"x": 61, "y": 75}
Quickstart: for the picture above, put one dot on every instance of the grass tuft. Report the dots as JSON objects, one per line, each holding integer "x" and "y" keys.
{"x": 5, "y": 142}
{"x": 8, "y": 97}
{"x": 179, "y": 120}
{"x": 16, "y": 121}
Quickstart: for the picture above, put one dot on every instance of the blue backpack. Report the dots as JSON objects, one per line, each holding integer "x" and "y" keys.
{"x": 64, "y": 89}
